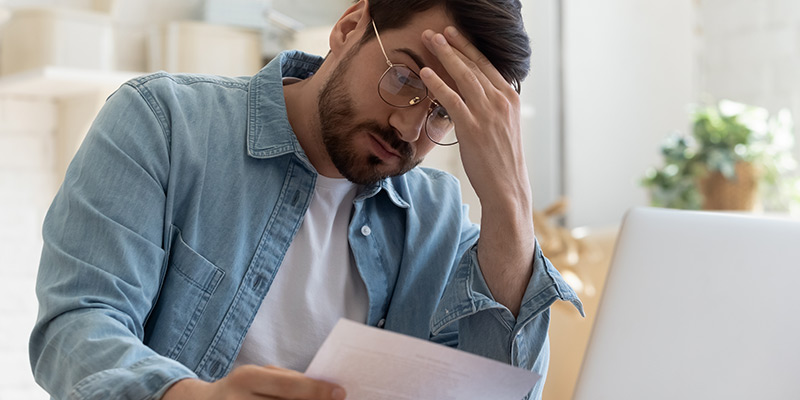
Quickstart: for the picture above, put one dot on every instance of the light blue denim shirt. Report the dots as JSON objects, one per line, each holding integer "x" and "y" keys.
{"x": 174, "y": 218}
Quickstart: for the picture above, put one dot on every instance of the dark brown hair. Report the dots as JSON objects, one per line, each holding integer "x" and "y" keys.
{"x": 494, "y": 26}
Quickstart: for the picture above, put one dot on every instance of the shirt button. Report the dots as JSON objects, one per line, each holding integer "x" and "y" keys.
{"x": 382, "y": 322}
{"x": 365, "y": 230}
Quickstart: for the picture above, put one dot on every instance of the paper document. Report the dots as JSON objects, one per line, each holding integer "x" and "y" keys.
{"x": 374, "y": 364}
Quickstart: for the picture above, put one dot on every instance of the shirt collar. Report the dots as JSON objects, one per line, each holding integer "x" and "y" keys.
{"x": 269, "y": 133}
{"x": 389, "y": 185}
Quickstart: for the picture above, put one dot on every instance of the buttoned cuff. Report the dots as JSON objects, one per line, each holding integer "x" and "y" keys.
{"x": 147, "y": 379}
{"x": 468, "y": 294}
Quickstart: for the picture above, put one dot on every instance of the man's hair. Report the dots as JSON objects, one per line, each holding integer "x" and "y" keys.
{"x": 494, "y": 26}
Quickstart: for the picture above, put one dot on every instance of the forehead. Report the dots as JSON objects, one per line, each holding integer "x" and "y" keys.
{"x": 407, "y": 40}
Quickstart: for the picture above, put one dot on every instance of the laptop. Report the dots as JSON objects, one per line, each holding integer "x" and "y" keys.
{"x": 697, "y": 305}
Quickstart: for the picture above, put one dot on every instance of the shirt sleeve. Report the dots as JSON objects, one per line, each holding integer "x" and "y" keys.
{"x": 487, "y": 328}
{"x": 103, "y": 261}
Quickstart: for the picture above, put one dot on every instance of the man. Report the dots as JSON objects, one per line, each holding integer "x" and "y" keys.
{"x": 210, "y": 226}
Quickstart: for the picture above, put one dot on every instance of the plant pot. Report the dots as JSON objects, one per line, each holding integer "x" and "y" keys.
{"x": 737, "y": 193}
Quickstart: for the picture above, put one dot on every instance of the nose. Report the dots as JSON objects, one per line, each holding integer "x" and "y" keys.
{"x": 410, "y": 121}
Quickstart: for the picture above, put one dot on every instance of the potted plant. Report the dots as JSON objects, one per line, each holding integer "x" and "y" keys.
{"x": 737, "y": 158}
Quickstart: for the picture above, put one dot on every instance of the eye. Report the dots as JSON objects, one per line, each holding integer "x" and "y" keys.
{"x": 405, "y": 76}
{"x": 401, "y": 75}
{"x": 403, "y": 79}
{"x": 439, "y": 113}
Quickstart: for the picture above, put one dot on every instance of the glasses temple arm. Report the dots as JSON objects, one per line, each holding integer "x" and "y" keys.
{"x": 380, "y": 43}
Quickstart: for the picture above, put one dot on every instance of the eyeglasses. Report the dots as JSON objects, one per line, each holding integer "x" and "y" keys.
{"x": 401, "y": 87}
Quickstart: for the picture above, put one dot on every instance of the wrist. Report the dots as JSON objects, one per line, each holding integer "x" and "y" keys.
{"x": 511, "y": 200}
{"x": 509, "y": 212}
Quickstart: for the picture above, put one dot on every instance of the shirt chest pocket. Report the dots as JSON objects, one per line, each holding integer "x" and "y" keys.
{"x": 189, "y": 282}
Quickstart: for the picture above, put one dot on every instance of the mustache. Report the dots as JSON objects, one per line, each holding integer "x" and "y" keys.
{"x": 390, "y": 136}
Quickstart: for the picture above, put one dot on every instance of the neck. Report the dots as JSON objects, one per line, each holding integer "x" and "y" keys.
{"x": 301, "y": 102}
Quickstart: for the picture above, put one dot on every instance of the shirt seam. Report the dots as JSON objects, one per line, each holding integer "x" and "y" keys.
{"x": 158, "y": 113}
{"x": 188, "y": 80}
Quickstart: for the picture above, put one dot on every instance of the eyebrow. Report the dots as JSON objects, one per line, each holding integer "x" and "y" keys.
{"x": 414, "y": 56}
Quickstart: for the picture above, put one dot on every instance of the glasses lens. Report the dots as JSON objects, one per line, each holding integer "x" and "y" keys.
{"x": 439, "y": 127}
{"x": 401, "y": 87}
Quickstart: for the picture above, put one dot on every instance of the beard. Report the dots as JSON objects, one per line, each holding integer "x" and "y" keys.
{"x": 339, "y": 129}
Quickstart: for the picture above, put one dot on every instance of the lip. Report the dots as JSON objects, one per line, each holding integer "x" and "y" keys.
{"x": 382, "y": 150}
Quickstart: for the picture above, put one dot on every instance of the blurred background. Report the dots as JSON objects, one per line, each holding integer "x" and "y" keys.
{"x": 678, "y": 103}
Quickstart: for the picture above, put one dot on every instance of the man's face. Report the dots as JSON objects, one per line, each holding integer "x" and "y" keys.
{"x": 367, "y": 139}
{"x": 340, "y": 129}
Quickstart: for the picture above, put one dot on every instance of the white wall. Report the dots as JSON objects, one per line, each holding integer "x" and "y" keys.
{"x": 629, "y": 68}
{"x": 312, "y": 13}
{"x": 27, "y": 181}
{"x": 541, "y": 106}
{"x": 751, "y": 52}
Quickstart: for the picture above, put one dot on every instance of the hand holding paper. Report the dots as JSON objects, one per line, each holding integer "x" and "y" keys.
{"x": 373, "y": 364}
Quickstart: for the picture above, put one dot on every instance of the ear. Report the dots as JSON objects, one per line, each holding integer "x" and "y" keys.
{"x": 350, "y": 27}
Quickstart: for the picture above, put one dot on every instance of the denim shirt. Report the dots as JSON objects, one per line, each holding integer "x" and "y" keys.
{"x": 176, "y": 213}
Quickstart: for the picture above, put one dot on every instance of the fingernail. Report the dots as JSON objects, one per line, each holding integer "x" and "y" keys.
{"x": 439, "y": 39}
{"x": 452, "y": 31}
{"x": 338, "y": 394}
{"x": 426, "y": 72}
{"x": 427, "y": 34}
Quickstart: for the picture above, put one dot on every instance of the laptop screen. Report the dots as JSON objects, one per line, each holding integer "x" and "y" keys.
{"x": 697, "y": 305}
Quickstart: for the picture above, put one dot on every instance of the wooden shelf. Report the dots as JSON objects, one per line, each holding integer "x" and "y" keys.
{"x": 59, "y": 82}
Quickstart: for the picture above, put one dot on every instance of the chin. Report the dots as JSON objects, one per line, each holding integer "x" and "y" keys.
{"x": 371, "y": 169}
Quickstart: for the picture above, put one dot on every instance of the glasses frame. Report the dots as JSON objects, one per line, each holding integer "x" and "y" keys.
{"x": 414, "y": 101}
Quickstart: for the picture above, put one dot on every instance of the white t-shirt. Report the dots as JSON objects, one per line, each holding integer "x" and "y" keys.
{"x": 317, "y": 284}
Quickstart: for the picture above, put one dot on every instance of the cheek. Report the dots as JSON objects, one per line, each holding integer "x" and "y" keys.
{"x": 366, "y": 105}
{"x": 362, "y": 82}
{"x": 364, "y": 87}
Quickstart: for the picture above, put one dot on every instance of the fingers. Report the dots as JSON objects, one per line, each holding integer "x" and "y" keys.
{"x": 452, "y": 47}
{"x": 445, "y": 95}
{"x": 460, "y": 42}
{"x": 279, "y": 383}
{"x": 465, "y": 73}
{"x": 469, "y": 80}
{"x": 484, "y": 80}
{"x": 475, "y": 95}
{"x": 288, "y": 384}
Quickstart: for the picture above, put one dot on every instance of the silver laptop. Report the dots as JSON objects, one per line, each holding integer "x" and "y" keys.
{"x": 698, "y": 305}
